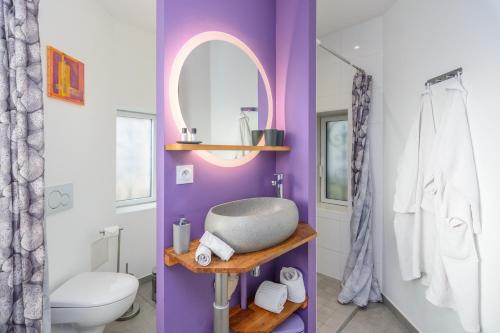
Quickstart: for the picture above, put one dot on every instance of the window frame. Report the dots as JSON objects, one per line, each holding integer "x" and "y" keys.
{"x": 322, "y": 160}
{"x": 152, "y": 198}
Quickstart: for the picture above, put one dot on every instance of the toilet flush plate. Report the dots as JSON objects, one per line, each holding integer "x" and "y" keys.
{"x": 58, "y": 198}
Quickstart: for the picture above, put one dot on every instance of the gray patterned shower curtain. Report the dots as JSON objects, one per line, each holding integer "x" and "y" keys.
{"x": 22, "y": 242}
{"x": 360, "y": 284}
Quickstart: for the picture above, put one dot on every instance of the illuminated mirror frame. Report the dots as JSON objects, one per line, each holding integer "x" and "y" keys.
{"x": 175, "y": 75}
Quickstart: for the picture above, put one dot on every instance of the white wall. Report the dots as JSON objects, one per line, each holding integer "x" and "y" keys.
{"x": 424, "y": 38}
{"x": 80, "y": 140}
{"x": 334, "y": 88}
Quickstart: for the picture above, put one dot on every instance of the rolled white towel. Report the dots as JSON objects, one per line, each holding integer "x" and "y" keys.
{"x": 221, "y": 249}
{"x": 271, "y": 296}
{"x": 203, "y": 255}
{"x": 111, "y": 231}
{"x": 292, "y": 278}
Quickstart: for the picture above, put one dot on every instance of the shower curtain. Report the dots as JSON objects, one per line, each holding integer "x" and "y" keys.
{"x": 22, "y": 243}
{"x": 359, "y": 284}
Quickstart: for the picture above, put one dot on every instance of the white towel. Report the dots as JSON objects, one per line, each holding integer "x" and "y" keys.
{"x": 292, "y": 278}
{"x": 221, "y": 249}
{"x": 271, "y": 296}
{"x": 203, "y": 255}
{"x": 111, "y": 231}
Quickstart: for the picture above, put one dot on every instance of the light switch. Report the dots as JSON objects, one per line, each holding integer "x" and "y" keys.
{"x": 58, "y": 198}
{"x": 184, "y": 174}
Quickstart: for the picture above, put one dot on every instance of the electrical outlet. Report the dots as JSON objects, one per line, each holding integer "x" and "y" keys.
{"x": 184, "y": 174}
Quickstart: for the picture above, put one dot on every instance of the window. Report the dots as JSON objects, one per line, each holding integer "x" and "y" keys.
{"x": 334, "y": 160}
{"x": 135, "y": 158}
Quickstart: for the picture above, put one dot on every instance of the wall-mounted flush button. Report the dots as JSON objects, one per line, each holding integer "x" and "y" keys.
{"x": 184, "y": 174}
{"x": 58, "y": 198}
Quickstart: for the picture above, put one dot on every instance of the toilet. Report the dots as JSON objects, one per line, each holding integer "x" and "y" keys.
{"x": 89, "y": 301}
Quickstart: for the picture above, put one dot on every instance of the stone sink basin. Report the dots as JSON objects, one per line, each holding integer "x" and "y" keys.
{"x": 253, "y": 224}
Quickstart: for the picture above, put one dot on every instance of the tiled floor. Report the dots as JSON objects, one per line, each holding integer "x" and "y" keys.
{"x": 376, "y": 319}
{"x": 335, "y": 318}
{"x": 330, "y": 314}
{"x": 145, "y": 322}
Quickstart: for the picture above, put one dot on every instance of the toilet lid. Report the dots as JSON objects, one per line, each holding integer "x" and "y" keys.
{"x": 93, "y": 289}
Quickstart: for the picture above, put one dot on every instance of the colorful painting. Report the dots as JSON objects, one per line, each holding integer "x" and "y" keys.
{"x": 65, "y": 77}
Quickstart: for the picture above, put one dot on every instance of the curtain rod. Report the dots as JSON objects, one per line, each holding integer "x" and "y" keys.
{"x": 318, "y": 42}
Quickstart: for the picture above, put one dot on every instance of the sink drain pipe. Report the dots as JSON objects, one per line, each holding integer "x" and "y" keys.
{"x": 221, "y": 304}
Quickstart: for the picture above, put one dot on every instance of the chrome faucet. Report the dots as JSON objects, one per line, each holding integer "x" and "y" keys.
{"x": 278, "y": 184}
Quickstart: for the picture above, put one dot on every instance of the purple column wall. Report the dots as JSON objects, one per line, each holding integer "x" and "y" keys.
{"x": 296, "y": 111}
{"x": 185, "y": 302}
{"x": 184, "y": 299}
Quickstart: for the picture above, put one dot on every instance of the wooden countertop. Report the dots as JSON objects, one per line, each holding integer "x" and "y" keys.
{"x": 240, "y": 263}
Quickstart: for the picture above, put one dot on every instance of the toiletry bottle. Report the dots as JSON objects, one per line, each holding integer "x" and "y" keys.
{"x": 184, "y": 134}
{"x": 182, "y": 236}
{"x": 193, "y": 135}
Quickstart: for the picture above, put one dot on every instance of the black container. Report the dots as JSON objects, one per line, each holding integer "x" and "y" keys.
{"x": 281, "y": 138}
{"x": 153, "y": 284}
{"x": 271, "y": 136}
{"x": 256, "y": 136}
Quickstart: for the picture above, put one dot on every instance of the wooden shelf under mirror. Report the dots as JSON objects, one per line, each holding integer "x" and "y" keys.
{"x": 188, "y": 147}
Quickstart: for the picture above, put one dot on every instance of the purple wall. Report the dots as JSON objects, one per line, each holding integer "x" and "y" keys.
{"x": 184, "y": 300}
{"x": 296, "y": 111}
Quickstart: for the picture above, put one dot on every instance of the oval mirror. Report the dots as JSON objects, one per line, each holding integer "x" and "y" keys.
{"x": 224, "y": 93}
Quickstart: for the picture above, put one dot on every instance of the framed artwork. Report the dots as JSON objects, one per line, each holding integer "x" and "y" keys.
{"x": 65, "y": 77}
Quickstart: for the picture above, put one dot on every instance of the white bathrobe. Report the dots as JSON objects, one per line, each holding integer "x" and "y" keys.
{"x": 445, "y": 209}
{"x": 415, "y": 227}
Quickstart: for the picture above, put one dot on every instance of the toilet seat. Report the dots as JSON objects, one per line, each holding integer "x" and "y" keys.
{"x": 89, "y": 301}
{"x": 94, "y": 289}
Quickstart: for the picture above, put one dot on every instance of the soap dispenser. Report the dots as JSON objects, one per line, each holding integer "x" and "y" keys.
{"x": 182, "y": 236}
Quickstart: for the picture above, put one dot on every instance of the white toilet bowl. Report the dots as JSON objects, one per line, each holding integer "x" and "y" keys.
{"x": 89, "y": 301}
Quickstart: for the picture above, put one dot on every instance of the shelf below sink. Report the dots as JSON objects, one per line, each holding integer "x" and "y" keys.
{"x": 244, "y": 262}
{"x": 258, "y": 320}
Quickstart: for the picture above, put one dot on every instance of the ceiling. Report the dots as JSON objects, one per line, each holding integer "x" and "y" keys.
{"x": 141, "y": 14}
{"x": 334, "y": 15}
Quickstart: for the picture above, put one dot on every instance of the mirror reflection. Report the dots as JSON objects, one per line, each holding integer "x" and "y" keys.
{"x": 222, "y": 95}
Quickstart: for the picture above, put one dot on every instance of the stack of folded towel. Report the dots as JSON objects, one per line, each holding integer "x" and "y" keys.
{"x": 292, "y": 278}
{"x": 271, "y": 296}
{"x": 210, "y": 243}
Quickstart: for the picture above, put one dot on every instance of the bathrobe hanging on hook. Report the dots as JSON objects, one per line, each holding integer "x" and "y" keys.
{"x": 452, "y": 192}
{"x": 442, "y": 209}
{"x": 414, "y": 227}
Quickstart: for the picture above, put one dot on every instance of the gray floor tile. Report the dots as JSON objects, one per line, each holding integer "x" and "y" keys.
{"x": 145, "y": 322}
{"x": 333, "y": 317}
{"x": 324, "y": 329}
{"x": 377, "y": 318}
{"x": 330, "y": 314}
